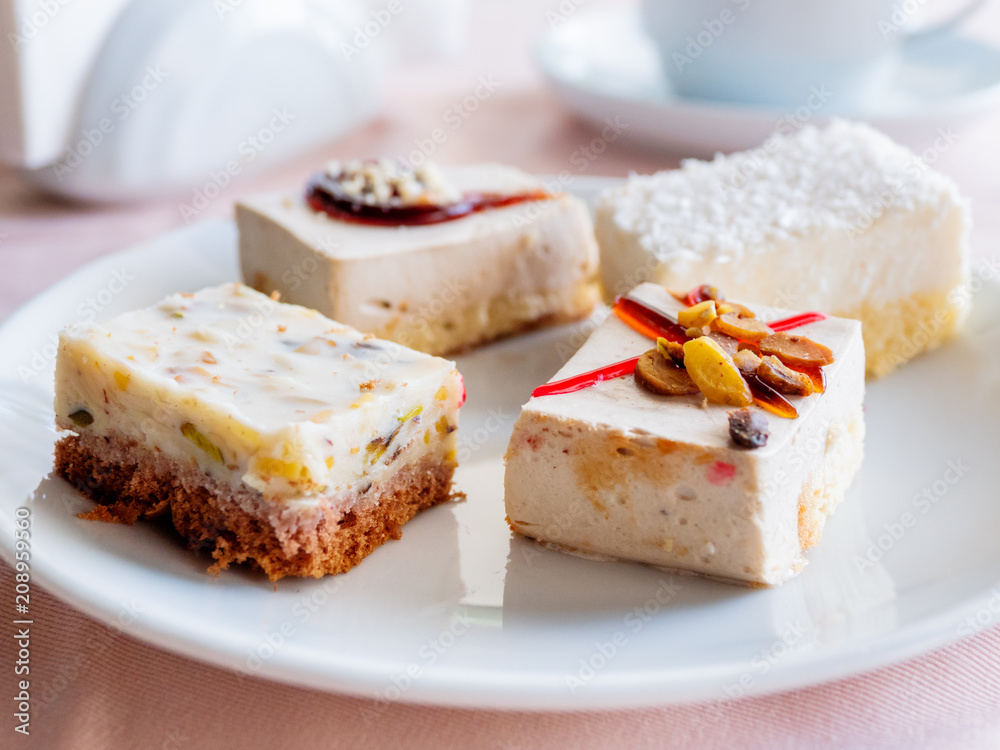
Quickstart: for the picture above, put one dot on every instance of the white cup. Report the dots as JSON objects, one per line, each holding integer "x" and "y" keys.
{"x": 781, "y": 52}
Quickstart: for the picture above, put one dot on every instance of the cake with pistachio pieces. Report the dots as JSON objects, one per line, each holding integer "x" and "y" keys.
{"x": 267, "y": 432}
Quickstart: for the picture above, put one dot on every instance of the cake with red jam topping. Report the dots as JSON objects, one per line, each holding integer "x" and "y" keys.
{"x": 439, "y": 260}
{"x": 266, "y": 432}
{"x": 693, "y": 433}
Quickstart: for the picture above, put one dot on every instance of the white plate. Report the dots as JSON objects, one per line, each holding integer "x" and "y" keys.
{"x": 458, "y": 612}
{"x": 604, "y": 67}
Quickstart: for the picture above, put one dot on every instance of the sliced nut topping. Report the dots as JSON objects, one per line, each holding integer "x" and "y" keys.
{"x": 747, "y": 361}
{"x": 729, "y": 345}
{"x": 715, "y": 374}
{"x": 389, "y": 183}
{"x": 784, "y": 380}
{"x": 797, "y": 351}
{"x": 671, "y": 349}
{"x": 747, "y": 329}
{"x": 707, "y": 291}
{"x": 697, "y": 316}
{"x": 735, "y": 307}
{"x": 662, "y": 375}
{"x": 748, "y": 428}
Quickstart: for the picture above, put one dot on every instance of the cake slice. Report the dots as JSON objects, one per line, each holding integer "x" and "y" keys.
{"x": 267, "y": 432}
{"x": 437, "y": 260}
{"x": 601, "y": 465}
{"x": 838, "y": 219}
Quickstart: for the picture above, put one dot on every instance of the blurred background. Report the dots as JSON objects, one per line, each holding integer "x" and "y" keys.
{"x": 120, "y": 120}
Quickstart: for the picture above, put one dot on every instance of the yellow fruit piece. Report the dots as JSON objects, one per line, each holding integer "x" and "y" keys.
{"x": 715, "y": 373}
{"x": 122, "y": 379}
{"x": 698, "y": 316}
{"x": 329, "y": 462}
{"x": 442, "y": 393}
{"x": 273, "y": 467}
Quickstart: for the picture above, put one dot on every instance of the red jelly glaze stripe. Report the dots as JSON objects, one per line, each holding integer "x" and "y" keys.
{"x": 586, "y": 379}
{"x": 802, "y": 319}
{"x": 648, "y": 321}
{"x": 321, "y": 198}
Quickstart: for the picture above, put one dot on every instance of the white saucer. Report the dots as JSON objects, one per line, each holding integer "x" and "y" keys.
{"x": 603, "y": 66}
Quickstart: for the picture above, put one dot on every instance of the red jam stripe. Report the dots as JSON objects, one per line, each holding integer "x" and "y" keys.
{"x": 647, "y": 321}
{"x": 323, "y": 195}
{"x": 695, "y": 297}
{"x": 586, "y": 379}
{"x": 802, "y": 319}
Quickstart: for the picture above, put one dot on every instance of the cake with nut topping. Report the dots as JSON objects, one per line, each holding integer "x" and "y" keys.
{"x": 266, "y": 432}
{"x": 839, "y": 219}
{"x": 695, "y": 434}
{"x": 439, "y": 260}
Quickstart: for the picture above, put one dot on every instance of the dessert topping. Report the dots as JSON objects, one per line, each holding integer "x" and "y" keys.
{"x": 746, "y": 329}
{"x": 699, "y": 315}
{"x": 388, "y": 192}
{"x": 661, "y": 375}
{"x": 796, "y": 350}
{"x": 748, "y": 428}
{"x": 715, "y": 373}
{"x": 391, "y": 184}
{"x": 671, "y": 349}
{"x": 731, "y": 357}
{"x": 783, "y": 379}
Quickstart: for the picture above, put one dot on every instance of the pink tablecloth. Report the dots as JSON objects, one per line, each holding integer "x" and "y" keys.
{"x": 94, "y": 687}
